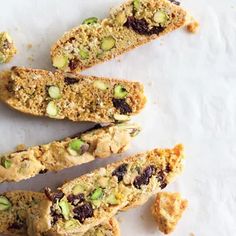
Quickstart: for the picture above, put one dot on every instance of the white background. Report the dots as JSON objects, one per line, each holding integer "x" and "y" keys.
{"x": 190, "y": 82}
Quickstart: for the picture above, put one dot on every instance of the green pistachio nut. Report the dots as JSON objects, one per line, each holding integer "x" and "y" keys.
{"x": 5, "y": 204}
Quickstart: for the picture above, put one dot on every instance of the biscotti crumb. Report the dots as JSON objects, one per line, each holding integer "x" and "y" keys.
{"x": 193, "y": 27}
{"x": 20, "y": 147}
{"x": 7, "y": 48}
{"x": 167, "y": 210}
{"x": 29, "y": 46}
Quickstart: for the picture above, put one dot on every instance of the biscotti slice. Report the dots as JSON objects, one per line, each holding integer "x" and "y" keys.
{"x": 94, "y": 198}
{"x": 13, "y": 214}
{"x": 85, "y": 147}
{"x": 134, "y": 23}
{"x": 13, "y": 211}
{"x": 7, "y": 48}
{"x": 73, "y": 97}
{"x": 168, "y": 210}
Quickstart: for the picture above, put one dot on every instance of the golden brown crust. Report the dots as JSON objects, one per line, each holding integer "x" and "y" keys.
{"x": 167, "y": 210}
{"x": 142, "y": 176}
{"x": 57, "y": 155}
{"x": 82, "y": 99}
{"x": 180, "y": 19}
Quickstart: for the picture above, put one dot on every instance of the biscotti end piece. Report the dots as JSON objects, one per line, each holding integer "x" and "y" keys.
{"x": 84, "y": 147}
{"x": 7, "y": 48}
{"x": 91, "y": 199}
{"x": 73, "y": 97}
{"x": 167, "y": 210}
{"x": 134, "y": 23}
{"x": 13, "y": 211}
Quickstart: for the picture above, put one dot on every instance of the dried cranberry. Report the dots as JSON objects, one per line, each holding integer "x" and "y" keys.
{"x": 120, "y": 171}
{"x": 55, "y": 215}
{"x": 53, "y": 196}
{"x": 70, "y": 40}
{"x": 175, "y": 2}
{"x": 16, "y": 225}
{"x": 144, "y": 178}
{"x": 161, "y": 179}
{"x": 43, "y": 171}
{"x": 68, "y": 80}
{"x": 168, "y": 169}
{"x": 76, "y": 199}
{"x": 83, "y": 212}
{"x": 140, "y": 26}
{"x": 122, "y": 105}
{"x": 73, "y": 64}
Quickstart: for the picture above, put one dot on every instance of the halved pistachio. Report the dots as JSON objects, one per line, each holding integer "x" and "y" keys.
{"x": 5, "y": 204}
{"x": 75, "y": 146}
{"x": 84, "y": 54}
{"x": 120, "y": 92}
{"x": 121, "y": 118}
{"x": 111, "y": 199}
{"x": 160, "y": 17}
{"x": 65, "y": 208}
{"x": 60, "y": 61}
{"x": 52, "y": 109}
{"x": 97, "y": 194}
{"x": 108, "y": 43}
{"x": 90, "y": 20}
{"x": 100, "y": 85}
{"x": 54, "y": 92}
{"x": 6, "y": 163}
{"x": 121, "y": 18}
{"x": 136, "y": 4}
{"x": 78, "y": 189}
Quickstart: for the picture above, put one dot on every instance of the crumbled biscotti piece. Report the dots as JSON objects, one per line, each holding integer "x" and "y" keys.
{"x": 193, "y": 27}
{"x": 134, "y": 23}
{"x": 91, "y": 199}
{"x": 168, "y": 210}
{"x": 85, "y": 147}
{"x": 73, "y": 97}
{"x": 15, "y": 205}
{"x": 7, "y": 48}
{"x": 13, "y": 211}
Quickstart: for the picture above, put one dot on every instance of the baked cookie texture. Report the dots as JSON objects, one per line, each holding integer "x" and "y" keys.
{"x": 82, "y": 148}
{"x": 132, "y": 24}
{"x": 91, "y": 199}
{"x": 7, "y": 48}
{"x": 13, "y": 214}
{"x": 73, "y": 97}
{"x": 167, "y": 210}
{"x": 13, "y": 211}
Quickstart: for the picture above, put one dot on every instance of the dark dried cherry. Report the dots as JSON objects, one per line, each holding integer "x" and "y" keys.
{"x": 122, "y": 105}
{"x": 140, "y": 26}
{"x": 55, "y": 215}
{"x": 120, "y": 172}
{"x": 16, "y": 225}
{"x": 73, "y": 64}
{"x": 53, "y": 196}
{"x": 175, "y": 2}
{"x": 43, "y": 171}
{"x": 76, "y": 199}
{"x": 69, "y": 81}
{"x": 144, "y": 178}
{"x": 83, "y": 212}
{"x": 161, "y": 179}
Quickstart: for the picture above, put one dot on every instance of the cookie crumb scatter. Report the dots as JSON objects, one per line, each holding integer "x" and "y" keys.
{"x": 193, "y": 27}
{"x": 29, "y": 46}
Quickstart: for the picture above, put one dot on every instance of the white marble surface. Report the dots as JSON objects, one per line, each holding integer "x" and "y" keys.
{"x": 191, "y": 86}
